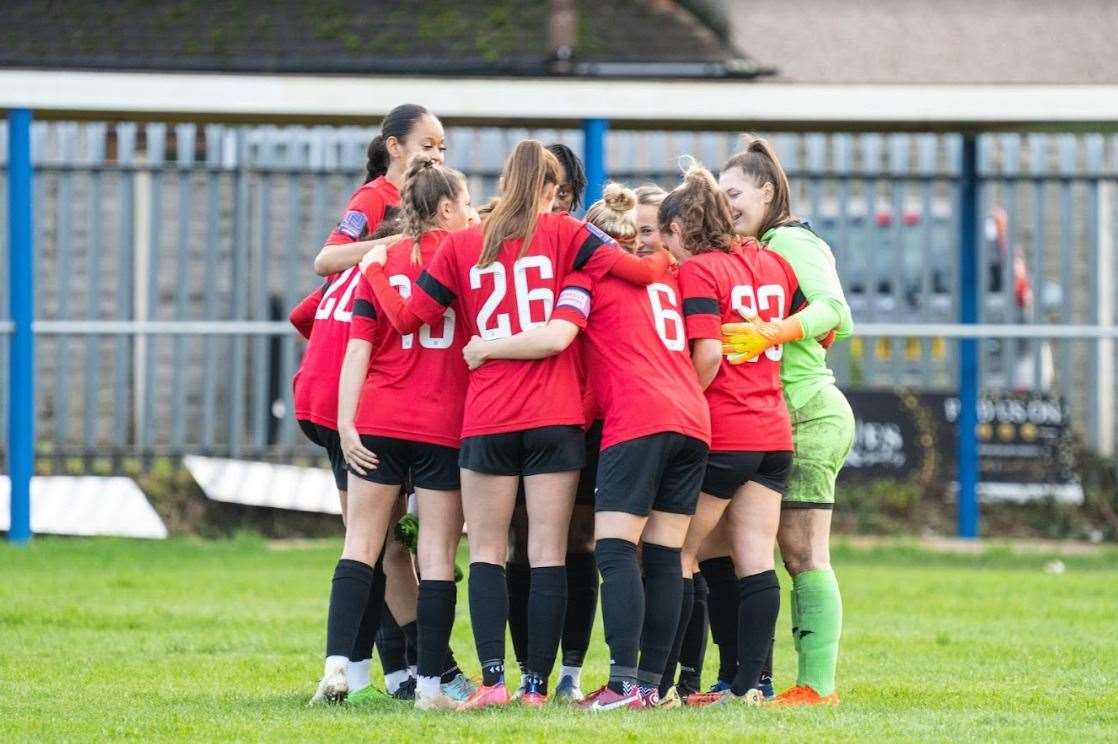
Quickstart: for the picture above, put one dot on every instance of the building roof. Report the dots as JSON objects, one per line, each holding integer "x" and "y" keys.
{"x": 443, "y": 37}
{"x": 916, "y": 41}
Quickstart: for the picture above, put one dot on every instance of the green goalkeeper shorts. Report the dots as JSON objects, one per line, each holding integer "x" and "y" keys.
{"x": 822, "y": 435}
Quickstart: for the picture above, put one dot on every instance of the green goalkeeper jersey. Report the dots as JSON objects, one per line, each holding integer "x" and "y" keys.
{"x": 803, "y": 370}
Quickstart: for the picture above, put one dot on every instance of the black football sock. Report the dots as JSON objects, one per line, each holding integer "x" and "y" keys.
{"x": 663, "y": 584}
{"x": 391, "y": 645}
{"x": 450, "y": 667}
{"x": 518, "y": 577}
{"x": 622, "y": 607}
{"x": 411, "y": 651}
{"x": 547, "y": 607}
{"x": 722, "y": 604}
{"x": 757, "y": 612}
{"x": 489, "y": 608}
{"x": 370, "y": 620}
{"x": 434, "y": 621}
{"x": 685, "y": 608}
{"x": 694, "y": 646}
{"x": 582, "y": 605}
{"x": 767, "y": 667}
{"x": 349, "y": 596}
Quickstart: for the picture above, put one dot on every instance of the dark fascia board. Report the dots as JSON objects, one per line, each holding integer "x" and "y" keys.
{"x": 734, "y": 68}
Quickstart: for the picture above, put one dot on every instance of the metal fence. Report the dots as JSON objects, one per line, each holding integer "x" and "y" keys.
{"x": 168, "y": 255}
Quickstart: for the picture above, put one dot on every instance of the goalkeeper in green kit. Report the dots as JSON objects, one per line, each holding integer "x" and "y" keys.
{"x": 822, "y": 422}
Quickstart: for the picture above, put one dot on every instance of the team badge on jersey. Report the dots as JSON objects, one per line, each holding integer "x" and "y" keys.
{"x": 353, "y": 224}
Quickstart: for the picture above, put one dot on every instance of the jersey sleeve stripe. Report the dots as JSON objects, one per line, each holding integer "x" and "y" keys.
{"x": 798, "y": 300}
{"x": 700, "y": 306}
{"x": 586, "y": 250}
{"x": 438, "y": 291}
{"x": 363, "y": 308}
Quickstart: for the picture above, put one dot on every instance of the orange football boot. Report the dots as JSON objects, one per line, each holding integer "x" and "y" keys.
{"x": 803, "y": 695}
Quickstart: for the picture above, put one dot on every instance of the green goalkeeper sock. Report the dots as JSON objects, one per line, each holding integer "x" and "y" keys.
{"x": 819, "y": 623}
{"x": 795, "y": 621}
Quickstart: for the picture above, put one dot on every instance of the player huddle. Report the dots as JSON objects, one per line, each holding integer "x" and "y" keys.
{"x": 642, "y": 395}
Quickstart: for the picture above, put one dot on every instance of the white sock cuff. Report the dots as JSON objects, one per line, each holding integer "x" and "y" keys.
{"x": 428, "y": 686}
{"x": 357, "y": 674}
{"x": 333, "y": 663}
{"x": 393, "y": 680}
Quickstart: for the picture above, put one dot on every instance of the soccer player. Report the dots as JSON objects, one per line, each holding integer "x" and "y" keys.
{"x": 654, "y": 445}
{"x": 572, "y": 179}
{"x": 407, "y": 130}
{"x": 649, "y": 197}
{"x": 521, "y": 418}
{"x": 401, "y": 397}
{"x": 391, "y": 641}
{"x": 582, "y": 571}
{"x": 822, "y": 422}
{"x": 722, "y": 276}
{"x": 690, "y": 643}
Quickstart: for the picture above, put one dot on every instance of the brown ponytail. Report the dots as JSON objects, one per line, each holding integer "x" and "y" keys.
{"x": 701, "y": 210}
{"x": 426, "y": 184}
{"x": 527, "y": 171}
{"x": 758, "y": 161}
{"x": 487, "y": 209}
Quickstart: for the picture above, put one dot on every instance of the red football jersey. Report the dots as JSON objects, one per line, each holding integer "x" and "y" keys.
{"x": 515, "y": 293}
{"x": 302, "y": 315}
{"x": 637, "y": 357}
{"x": 591, "y": 411}
{"x": 367, "y": 207}
{"x": 316, "y": 382}
{"x": 747, "y": 406}
{"x": 416, "y": 384}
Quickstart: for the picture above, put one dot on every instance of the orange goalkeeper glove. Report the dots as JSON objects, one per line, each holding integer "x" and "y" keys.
{"x": 742, "y": 342}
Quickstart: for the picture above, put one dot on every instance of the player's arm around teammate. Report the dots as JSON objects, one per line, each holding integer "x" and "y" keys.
{"x": 690, "y": 645}
{"x": 751, "y": 437}
{"x": 521, "y": 418}
{"x": 654, "y": 443}
{"x": 406, "y": 131}
{"x": 582, "y": 572}
{"x": 822, "y": 422}
{"x": 402, "y": 397}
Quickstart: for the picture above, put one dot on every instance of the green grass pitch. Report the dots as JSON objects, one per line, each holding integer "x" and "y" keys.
{"x": 108, "y": 639}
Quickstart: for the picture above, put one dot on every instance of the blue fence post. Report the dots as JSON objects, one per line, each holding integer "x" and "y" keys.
{"x": 969, "y": 293}
{"x": 594, "y": 157}
{"x": 21, "y": 295}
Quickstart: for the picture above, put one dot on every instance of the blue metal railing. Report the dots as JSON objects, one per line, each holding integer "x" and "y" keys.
{"x": 21, "y": 297}
{"x": 164, "y": 252}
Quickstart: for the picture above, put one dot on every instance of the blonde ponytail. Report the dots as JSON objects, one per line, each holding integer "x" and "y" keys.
{"x": 615, "y": 213}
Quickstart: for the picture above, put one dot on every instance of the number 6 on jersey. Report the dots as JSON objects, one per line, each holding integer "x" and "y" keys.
{"x": 675, "y": 338}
